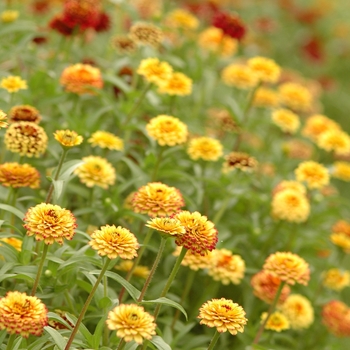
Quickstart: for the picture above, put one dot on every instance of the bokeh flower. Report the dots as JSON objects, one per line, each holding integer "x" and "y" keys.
{"x": 68, "y": 138}
{"x": 336, "y": 279}
{"x": 230, "y": 23}
{"x": 167, "y": 130}
{"x": 295, "y": 96}
{"x": 155, "y": 71}
{"x": 336, "y": 317}
{"x": 265, "y": 97}
{"x": 239, "y": 76}
{"x": 341, "y": 171}
{"x": 314, "y": 174}
{"x": 139, "y": 271}
{"x": 286, "y": 120}
{"x": 277, "y": 321}
{"x": 81, "y": 13}
{"x": 131, "y": 322}
{"x": 169, "y": 226}
{"x": 335, "y": 140}
{"x": 298, "y": 149}
{"x": 146, "y": 34}
{"x": 105, "y": 139}
{"x": 298, "y": 310}
{"x": 265, "y": 68}
{"x": 13, "y": 242}
{"x": 341, "y": 240}
{"x": 3, "y": 118}
{"x": 224, "y": 315}
{"x": 289, "y": 185}
{"x": 206, "y": 148}
{"x": 50, "y": 223}
{"x": 114, "y": 241}
{"x": 201, "y": 235}
{"x": 123, "y": 44}
{"x": 9, "y": 16}
{"x": 317, "y": 124}
{"x": 13, "y": 83}
{"x": 157, "y": 199}
{"x": 178, "y": 84}
{"x": 239, "y": 160}
{"x": 81, "y": 79}
{"x": 288, "y": 267}
{"x": 26, "y": 138}
{"x": 96, "y": 171}
{"x": 182, "y": 19}
{"x": 193, "y": 260}
{"x": 22, "y": 314}
{"x": 19, "y": 175}
{"x": 226, "y": 267}
{"x": 24, "y": 113}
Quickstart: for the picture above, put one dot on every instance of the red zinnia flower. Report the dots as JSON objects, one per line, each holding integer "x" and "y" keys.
{"x": 230, "y": 24}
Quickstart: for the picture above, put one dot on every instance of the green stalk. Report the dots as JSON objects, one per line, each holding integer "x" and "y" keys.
{"x": 12, "y": 339}
{"x": 214, "y": 340}
{"x": 121, "y": 345}
{"x": 86, "y": 305}
{"x": 170, "y": 279}
{"x": 270, "y": 311}
{"x": 222, "y": 210}
{"x": 105, "y": 294}
{"x": 40, "y": 269}
{"x": 156, "y": 167}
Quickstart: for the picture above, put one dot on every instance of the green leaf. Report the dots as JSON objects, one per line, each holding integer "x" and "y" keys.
{"x": 160, "y": 343}
{"x": 68, "y": 168}
{"x": 12, "y": 210}
{"x": 166, "y": 301}
{"x": 18, "y": 26}
{"x": 55, "y": 317}
{"x": 116, "y": 81}
{"x": 58, "y": 186}
{"x": 105, "y": 302}
{"x": 57, "y": 337}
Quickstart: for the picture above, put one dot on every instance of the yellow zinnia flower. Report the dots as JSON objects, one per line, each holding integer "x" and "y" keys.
{"x": 169, "y": 226}
{"x": 336, "y": 279}
{"x": 295, "y": 96}
{"x": 239, "y": 76}
{"x": 3, "y": 117}
{"x": 277, "y": 321}
{"x": 314, "y": 174}
{"x": 68, "y": 138}
{"x": 155, "y": 71}
{"x": 9, "y": 16}
{"x": 178, "y": 84}
{"x": 206, "y": 148}
{"x": 239, "y": 160}
{"x": 341, "y": 170}
{"x": 139, "y": 270}
{"x": 335, "y": 140}
{"x": 13, "y": 84}
{"x": 180, "y": 18}
{"x": 286, "y": 120}
{"x": 146, "y": 34}
{"x": 265, "y": 97}
{"x": 194, "y": 261}
{"x": 19, "y": 175}
{"x": 105, "y": 139}
{"x": 265, "y": 68}
{"x": 317, "y": 124}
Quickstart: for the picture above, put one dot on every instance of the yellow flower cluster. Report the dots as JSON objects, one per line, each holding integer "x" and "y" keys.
{"x": 314, "y": 174}
{"x": 286, "y": 120}
{"x": 205, "y": 148}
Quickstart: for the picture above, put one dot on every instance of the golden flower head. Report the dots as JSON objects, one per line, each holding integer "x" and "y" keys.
{"x": 289, "y": 185}
{"x": 131, "y": 322}
{"x": 24, "y": 113}
{"x": 105, "y": 139}
{"x": 114, "y": 241}
{"x": 298, "y": 149}
{"x": 22, "y": 314}
{"x": 336, "y": 317}
{"x": 336, "y": 279}
{"x": 334, "y": 140}
{"x": 289, "y": 267}
{"x": 220, "y": 120}
{"x": 13, "y": 242}
{"x": 81, "y": 79}
{"x": 157, "y": 199}
{"x": 13, "y": 84}
{"x": 123, "y": 43}
{"x": 96, "y": 171}
{"x": 3, "y": 117}
{"x": 194, "y": 261}
{"x": 147, "y": 9}
{"x": 265, "y": 68}
{"x": 265, "y": 97}
{"x": 155, "y": 71}
{"x": 19, "y": 175}
{"x": 213, "y": 39}
{"x": 182, "y": 19}
{"x": 277, "y": 321}
{"x": 178, "y": 84}
{"x": 146, "y": 34}
{"x": 265, "y": 287}
{"x": 139, "y": 271}
{"x": 239, "y": 76}
{"x": 226, "y": 267}
{"x": 314, "y": 174}
{"x": 205, "y": 148}
{"x": 201, "y": 235}
{"x": 169, "y": 226}
{"x": 341, "y": 171}
{"x": 224, "y": 315}
{"x": 9, "y": 16}
{"x": 26, "y": 138}
{"x": 341, "y": 240}
{"x": 239, "y": 160}
{"x": 68, "y": 138}
{"x": 167, "y": 130}
{"x": 286, "y": 120}
{"x": 50, "y": 223}
{"x": 295, "y": 96}
{"x": 290, "y": 205}
{"x": 341, "y": 226}
{"x": 317, "y": 124}
{"x": 299, "y": 311}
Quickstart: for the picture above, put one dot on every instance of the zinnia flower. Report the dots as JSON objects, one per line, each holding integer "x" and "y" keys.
{"x": 131, "y": 322}
{"x": 230, "y": 23}
{"x": 139, "y": 271}
{"x": 277, "y": 321}
{"x": 26, "y": 138}
{"x": 286, "y": 120}
{"x": 13, "y": 84}
{"x": 205, "y": 148}
{"x": 155, "y": 71}
{"x": 169, "y": 226}
{"x": 265, "y": 68}
{"x": 167, "y": 130}
{"x": 9, "y": 16}
{"x": 81, "y": 79}
{"x": 288, "y": 267}
{"x": 336, "y": 317}
{"x": 295, "y": 96}
{"x": 201, "y": 235}
{"x": 3, "y": 117}
{"x": 123, "y": 44}
{"x": 146, "y": 34}
{"x": 289, "y": 185}
{"x": 224, "y": 315}
{"x": 22, "y": 314}
{"x": 96, "y": 171}
{"x": 334, "y": 140}
{"x": 341, "y": 240}
{"x": 239, "y": 76}
{"x": 13, "y": 242}
{"x": 317, "y": 124}
{"x": 114, "y": 241}
{"x": 239, "y": 160}
{"x": 24, "y": 113}
{"x": 194, "y": 261}
{"x": 105, "y": 139}
{"x": 265, "y": 97}
{"x": 336, "y": 279}
{"x": 180, "y": 18}
{"x": 68, "y": 138}
{"x": 226, "y": 267}
{"x": 50, "y": 223}
{"x": 299, "y": 311}
{"x": 81, "y": 13}
{"x": 178, "y": 84}
{"x": 298, "y": 149}
{"x": 341, "y": 170}
{"x": 314, "y": 174}
{"x": 157, "y": 199}
{"x": 19, "y": 175}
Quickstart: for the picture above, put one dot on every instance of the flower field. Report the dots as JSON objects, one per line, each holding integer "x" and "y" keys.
{"x": 174, "y": 175}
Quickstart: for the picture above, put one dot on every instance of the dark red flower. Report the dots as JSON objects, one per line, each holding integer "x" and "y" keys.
{"x": 40, "y": 6}
{"x": 231, "y": 24}
{"x": 58, "y": 24}
{"x": 39, "y": 40}
{"x": 204, "y": 10}
{"x": 103, "y": 23}
{"x": 309, "y": 16}
{"x": 313, "y": 49}
{"x": 81, "y": 13}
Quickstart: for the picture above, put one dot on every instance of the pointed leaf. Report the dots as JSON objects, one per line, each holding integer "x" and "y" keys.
{"x": 57, "y": 337}
{"x": 166, "y": 301}
{"x": 159, "y": 343}
{"x": 12, "y": 210}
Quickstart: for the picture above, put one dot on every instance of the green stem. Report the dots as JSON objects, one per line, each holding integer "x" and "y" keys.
{"x": 137, "y": 104}
{"x": 271, "y": 237}
{"x": 156, "y": 167}
{"x": 105, "y": 294}
{"x": 214, "y": 340}
{"x": 222, "y": 210}
{"x": 40, "y": 269}
{"x": 86, "y": 305}
{"x": 12, "y": 339}
{"x": 270, "y": 311}
{"x": 170, "y": 279}
{"x": 153, "y": 270}
{"x": 121, "y": 344}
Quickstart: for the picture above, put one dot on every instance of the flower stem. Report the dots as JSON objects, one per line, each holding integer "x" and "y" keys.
{"x": 87, "y": 303}
{"x": 121, "y": 344}
{"x": 10, "y": 342}
{"x": 156, "y": 167}
{"x": 137, "y": 104}
{"x": 153, "y": 270}
{"x": 214, "y": 340}
{"x": 270, "y": 311}
{"x": 170, "y": 279}
{"x": 40, "y": 269}
{"x": 105, "y": 294}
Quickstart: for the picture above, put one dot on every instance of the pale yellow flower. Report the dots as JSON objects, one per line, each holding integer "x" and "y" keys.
{"x": 13, "y": 84}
